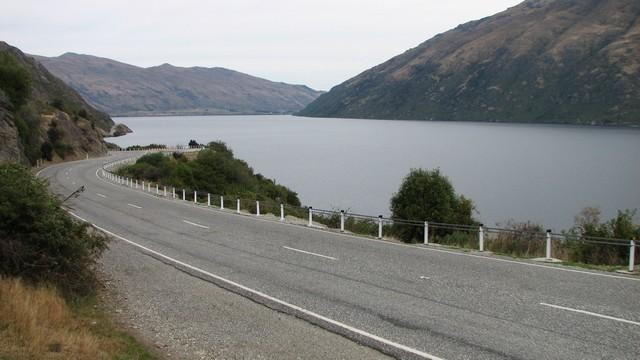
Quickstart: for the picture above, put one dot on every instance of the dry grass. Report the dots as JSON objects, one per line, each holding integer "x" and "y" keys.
{"x": 37, "y": 323}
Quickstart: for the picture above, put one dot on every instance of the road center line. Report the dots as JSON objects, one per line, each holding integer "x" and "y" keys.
{"x": 194, "y": 224}
{"x": 310, "y": 253}
{"x": 101, "y": 195}
{"x": 135, "y": 206}
{"x": 592, "y": 314}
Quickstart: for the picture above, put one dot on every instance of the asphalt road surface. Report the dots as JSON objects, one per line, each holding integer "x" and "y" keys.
{"x": 408, "y": 301}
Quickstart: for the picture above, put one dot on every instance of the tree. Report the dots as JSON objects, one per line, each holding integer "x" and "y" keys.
{"x": 193, "y": 144}
{"x": 429, "y": 196}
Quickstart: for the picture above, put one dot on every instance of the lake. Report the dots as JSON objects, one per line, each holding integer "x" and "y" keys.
{"x": 541, "y": 173}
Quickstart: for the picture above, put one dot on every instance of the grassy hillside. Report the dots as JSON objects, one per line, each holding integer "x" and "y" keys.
{"x": 543, "y": 61}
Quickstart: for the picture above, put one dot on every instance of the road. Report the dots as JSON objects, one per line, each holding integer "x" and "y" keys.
{"x": 411, "y": 301}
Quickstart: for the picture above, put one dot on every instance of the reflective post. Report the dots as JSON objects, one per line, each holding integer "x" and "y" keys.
{"x": 157, "y": 190}
{"x": 195, "y": 196}
{"x": 426, "y": 233}
{"x": 257, "y": 208}
{"x": 221, "y": 202}
{"x": 173, "y": 192}
{"x": 208, "y": 199}
{"x": 632, "y": 255}
{"x": 136, "y": 183}
{"x": 548, "y": 246}
{"x": 341, "y": 220}
{"x": 238, "y": 205}
{"x": 184, "y": 195}
{"x": 142, "y": 185}
{"x": 379, "y": 226}
{"x": 481, "y": 237}
{"x": 310, "y": 216}
{"x": 281, "y": 212}
{"x": 165, "y": 191}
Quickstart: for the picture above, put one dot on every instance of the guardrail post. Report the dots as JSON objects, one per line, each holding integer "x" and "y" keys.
{"x": 208, "y": 199}
{"x": 481, "y": 237}
{"x": 341, "y": 220}
{"x": 426, "y": 233}
{"x": 165, "y": 191}
{"x": 379, "y": 226}
{"x": 310, "y": 216}
{"x": 184, "y": 195}
{"x": 173, "y": 192}
{"x": 257, "y": 208}
{"x": 157, "y": 190}
{"x": 238, "y": 205}
{"x": 221, "y": 202}
{"x": 281, "y": 212}
{"x": 195, "y": 196}
{"x": 548, "y": 246}
{"x": 632, "y": 255}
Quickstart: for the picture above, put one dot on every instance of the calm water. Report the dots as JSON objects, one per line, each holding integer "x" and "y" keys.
{"x": 541, "y": 173}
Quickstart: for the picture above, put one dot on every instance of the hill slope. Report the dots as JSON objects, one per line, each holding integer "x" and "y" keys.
{"x": 123, "y": 89}
{"x": 563, "y": 61}
{"x": 42, "y": 117}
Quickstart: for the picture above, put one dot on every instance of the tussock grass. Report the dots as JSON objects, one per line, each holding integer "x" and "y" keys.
{"x": 37, "y": 323}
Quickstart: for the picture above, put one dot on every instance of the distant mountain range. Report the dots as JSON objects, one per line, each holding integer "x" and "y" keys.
{"x": 125, "y": 90}
{"x": 546, "y": 61}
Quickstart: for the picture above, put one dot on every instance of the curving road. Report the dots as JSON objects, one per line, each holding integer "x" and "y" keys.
{"x": 408, "y": 301}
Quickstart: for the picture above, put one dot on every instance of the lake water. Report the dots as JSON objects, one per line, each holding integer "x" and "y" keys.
{"x": 542, "y": 173}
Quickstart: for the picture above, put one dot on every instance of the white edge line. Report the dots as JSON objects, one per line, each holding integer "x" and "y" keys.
{"x": 310, "y": 253}
{"x": 450, "y": 252}
{"x": 271, "y": 298}
{"x": 194, "y": 224}
{"x": 101, "y": 195}
{"x": 591, "y": 313}
{"x": 135, "y": 206}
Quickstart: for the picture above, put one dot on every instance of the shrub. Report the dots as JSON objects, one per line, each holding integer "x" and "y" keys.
{"x": 38, "y": 240}
{"x": 429, "y": 195}
{"x": 15, "y": 80}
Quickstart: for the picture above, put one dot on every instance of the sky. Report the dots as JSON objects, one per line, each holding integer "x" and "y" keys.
{"x": 315, "y": 43}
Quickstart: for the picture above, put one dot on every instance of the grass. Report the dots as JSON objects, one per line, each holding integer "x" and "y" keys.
{"x": 38, "y": 323}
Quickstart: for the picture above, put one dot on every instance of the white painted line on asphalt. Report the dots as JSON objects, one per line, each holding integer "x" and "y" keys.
{"x": 194, "y": 224}
{"x": 135, "y": 206}
{"x": 389, "y": 243}
{"x": 309, "y": 253}
{"x": 101, "y": 195}
{"x": 592, "y": 314}
{"x": 424, "y": 278}
{"x": 273, "y": 299}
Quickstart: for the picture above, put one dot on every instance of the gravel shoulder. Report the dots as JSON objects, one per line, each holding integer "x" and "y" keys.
{"x": 187, "y": 318}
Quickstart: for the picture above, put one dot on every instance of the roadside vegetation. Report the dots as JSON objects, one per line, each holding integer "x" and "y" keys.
{"x": 48, "y": 285}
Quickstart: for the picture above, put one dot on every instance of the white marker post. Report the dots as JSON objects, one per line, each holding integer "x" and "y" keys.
{"x": 165, "y": 191}
{"x": 281, "y": 212}
{"x": 157, "y": 190}
{"x": 238, "y": 205}
{"x": 136, "y": 183}
{"x": 257, "y": 208}
{"x": 208, "y": 199}
{"x": 184, "y": 195}
{"x": 426, "y": 233}
{"x": 341, "y": 220}
{"x": 173, "y": 192}
{"x": 195, "y": 197}
{"x": 548, "y": 246}
{"x": 310, "y": 216}
{"x": 143, "y": 185}
{"x": 481, "y": 237}
{"x": 221, "y": 202}
{"x": 632, "y": 256}
{"x": 379, "y": 226}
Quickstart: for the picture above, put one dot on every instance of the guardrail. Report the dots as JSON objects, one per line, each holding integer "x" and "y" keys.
{"x": 525, "y": 243}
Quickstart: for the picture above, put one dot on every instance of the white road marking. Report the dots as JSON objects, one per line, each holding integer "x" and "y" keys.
{"x": 194, "y": 224}
{"x": 309, "y": 253}
{"x": 135, "y": 206}
{"x": 592, "y": 314}
{"x": 388, "y": 243}
{"x": 424, "y": 277}
{"x": 272, "y": 299}
{"x": 101, "y": 195}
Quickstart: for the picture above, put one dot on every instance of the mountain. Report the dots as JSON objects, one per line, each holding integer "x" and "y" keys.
{"x": 42, "y": 117}
{"x": 543, "y": 61}
{"x": 126, "y": 90}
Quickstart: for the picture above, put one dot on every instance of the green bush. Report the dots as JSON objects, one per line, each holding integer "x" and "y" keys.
{"x": 39, "y": 241}
{"x": 429, "y": 196}
{"x": 14, "y": 80}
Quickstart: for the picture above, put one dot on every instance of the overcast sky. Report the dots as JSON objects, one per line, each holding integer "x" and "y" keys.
{"x": 316, "y": 43}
